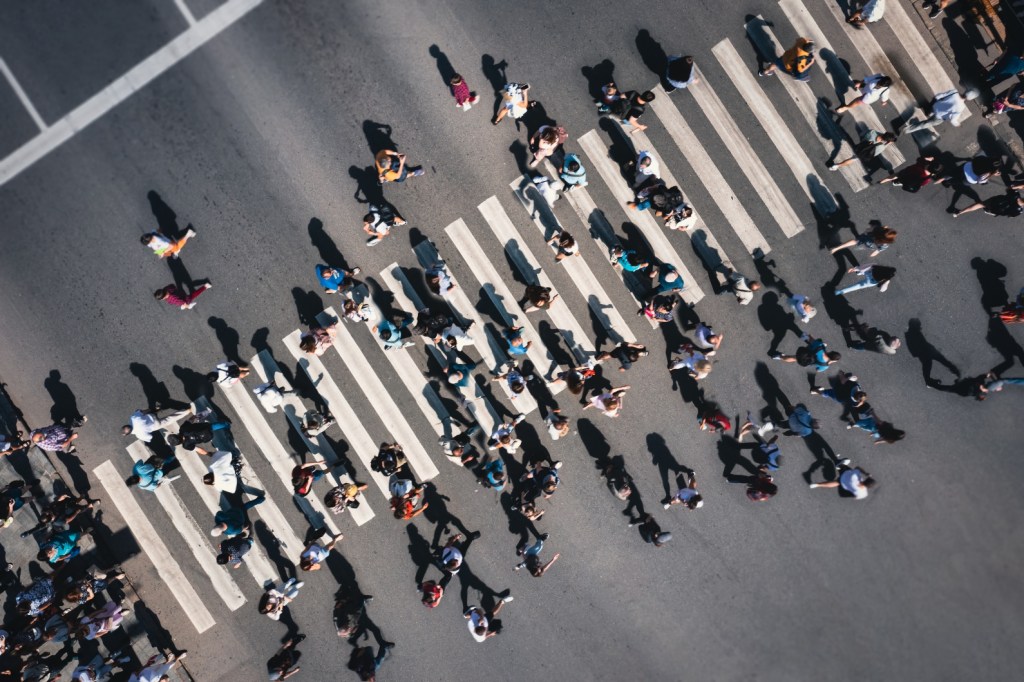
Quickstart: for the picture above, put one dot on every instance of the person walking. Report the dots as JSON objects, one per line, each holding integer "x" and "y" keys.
{"x": 868, "y": 151}
{"x": 464, "y": 98}
{"x": 515, "y": 344}
{"x": 707, "y": 339}
{"x": 912, "y": 178}
{"x": 532, "y": 561}
{"x": 688, "y": 496}
{"x": 801, "y": 422}
{"x": 630, "y": 107}
{"x": 304, "y": 475}
{"x": 647, "y": 169}
{"x": 761, "y": 486}
{"x": 515, "y": 100}
{"x": 796, "y": 61}
{"x": 392, "y": 167}
{"x": 665, "y": 279}
{"x": 479, "y": 620}
{"x": 336, "y": 280}
{"x": 572, "y": 174}
{"x": 394, "y": 336}
{"x": 874, "y": 339}
{"x": 514, "y": 378}
{"x": 318, "y": 339}
{"x": 565, "y": 245}
{"x": 275, "y": 599}
{"x": 651, "y": 532}
{"x": 344, "y": 496}
{"x": 545, "y": 141}
{"x": 196, "y": 431}
{"x": 874, "y": 88}
{"x": 502, "y": 437}
{"x": 54, "y": 438}
{"x": 626, "y": 353}
{"x": 877, "y": 240}
{"x": 558, "y": 424}
{"x": 379, "y": 221}
{"x": 165, "y": 247}
{"x": 687, "y": 357}
{"x": 853, "y": 480}
{"x": 439, "y": 280}
{"x": 815, "y": 354}
{"x": 537, "y": 297}
{"x": 172, "y": 295}
{"x": 801, "y": 305}
{"x": 609, "y": 95}
{"x": 742, "y": 288}
{"x": 231, "y": 522}
{"x": 1009, "y": 205}
{"x": 233, "y": 550}
{"x": 946, "y": 106}
{"x": 872, "y": 276}
{"x": 285, "y": 662}
{"x": 228, "y": 373}
{"x": 768, "y": 452}
{"x": 223, "y": 471}
{"x": 609, "y": 402}
{"x": 680, "y": 73}
{"x": 628, "y": 260}
{"x": 460, "y": 375}
{"x": 869, "y": 13}
{"x": 148, "y": 474}
{"x": 60, "y": 547}
{"x": 314, "y": 554}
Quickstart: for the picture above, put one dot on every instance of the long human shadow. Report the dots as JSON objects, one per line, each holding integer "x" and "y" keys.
{"x": 229, "y": 338}
{"x": 840, "y": 311}
{"x": 378, "y": 136}
{"x": 494, "y": 72}
{"x": 155, "y": 391}
{"x": 469, "y": 580}
{"x": 990, "y": 276}
{"x": 420, "y": 553}
{"x": 767, "y": 275}
{"x": 927, "y": 354}
{"x": 65, "y": 405}
{"x": 325, "y": 246}
{"x": 965, "y": 52}
{"x": 166, "y": 218}
{"x": 663, "y": 459}
{"x": 308, "y": 305}
{"x": 777, "y": 405}
{"x": 272, "y": 545}
{"x": 597, "y": 76}
{"x": 776, "y": 320}
{"x": 535, "y": 117}
{"x": 368, "y": 188}
{"x": 1000, "y": 338}
{"x": 730, "y": 454}
{"x": 518, "y": 524}
{"x": 652, "y": 54}
{"x": 437, "y": 513}
{"x": 444, "y": 65}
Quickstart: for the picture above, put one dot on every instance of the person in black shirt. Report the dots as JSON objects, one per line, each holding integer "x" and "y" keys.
{"x": 1009, "y": 205}
{"x": 631, "y": 107}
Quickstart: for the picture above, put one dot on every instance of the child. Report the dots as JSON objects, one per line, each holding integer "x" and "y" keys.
{"x": 460, "y": 90}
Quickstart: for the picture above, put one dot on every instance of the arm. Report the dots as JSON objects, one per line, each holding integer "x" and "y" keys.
{"x": 545, "y": 567}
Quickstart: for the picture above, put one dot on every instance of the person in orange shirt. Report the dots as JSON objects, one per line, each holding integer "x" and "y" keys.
{"x": 391, "y": 167}
{"x": 796, "y": 61}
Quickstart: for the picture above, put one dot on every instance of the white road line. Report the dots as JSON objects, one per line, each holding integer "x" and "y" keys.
{"x": 504, "y": 301}
{"x": 186, "y": 12}
{"x": 407, "y": 300}
{"x": 267, "y": 510}
{"x": 736, "y": 142}
{"x": 653, "y": 233}
{"x": 707, "y": 173}
{"x": 244, "y": 404}
{"x": 878, "y": 62}
{"x": 153, "y": 545}
{"x": 319, "y": 449}
{"x": 919, "y": 52}
{"x": 529, "y": 266}
{"x": 196, "y": 538}
{"x": 775, "y": 128}
{"x": 580, "y": 273}
{"x": 708, "y": 248}
{"x": 355, "y": 433}
{"x": 492, "y": 352}
{"x": 807, "y": 104}
{"x": 381, "y": 399}
{"x": 121, "y": 89}
{"x": 25, "y": 101}
{"x": 805, "y": 25}
{"x": 598, "y": 226}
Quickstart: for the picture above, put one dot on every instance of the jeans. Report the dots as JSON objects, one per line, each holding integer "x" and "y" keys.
{"x": 255, "y": 501}
{"x": 219, "y": 426}
{"x": 535, "y": 548}
{"x": 865, "y": 283}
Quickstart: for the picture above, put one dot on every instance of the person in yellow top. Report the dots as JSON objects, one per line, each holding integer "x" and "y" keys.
{"x": 796, "y": 61}
{"x": 391, "y": 167}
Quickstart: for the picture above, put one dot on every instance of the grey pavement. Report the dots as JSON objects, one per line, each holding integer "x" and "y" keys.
{"x": 255, "y": 139}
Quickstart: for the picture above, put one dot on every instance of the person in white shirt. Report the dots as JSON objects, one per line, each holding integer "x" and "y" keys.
{"x": 271, "y": 396}
{"x": 144, "y": 423}
{"x": 479, "y": 625}
{"x": 688, "y": 495}
{"x": 742, "y": 288}
{"x": 228, "y": 373}
{"x": 558, "y": 425}
{"x": 801, "y": 305}
{"x": 855, "y": 481}
{"x": 872, "y": 89}
{"x": 455, "y": 337}
{"x": 647, "y": 169}
{"x": 156, "y": 672}
{"x": 707, "y": 339}
{"x": 696, "y": 365}
{"x": 275, "y": 599}
{"x": 502, "y": 436}
{"x": 222, "y": 472}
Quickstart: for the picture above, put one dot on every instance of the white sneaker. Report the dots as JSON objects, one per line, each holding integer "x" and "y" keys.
{"x": 507, "y": 598}
{"x": 667, "y": 505}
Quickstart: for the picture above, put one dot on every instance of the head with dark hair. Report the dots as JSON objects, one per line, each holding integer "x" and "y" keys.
{"x": 887, "y": 433}
{"x": 882, "y": 273}
{"x": 173, "y": 439}
{"x": 212, "y": 376}
{"x": 884, "y": 82}
{"x": 160, "y": 294}
{"x": 222, "y": 559}
{"x": 132, "y": 480}
{"x": 833, "y": 356}
{"x": 647, "y": 96}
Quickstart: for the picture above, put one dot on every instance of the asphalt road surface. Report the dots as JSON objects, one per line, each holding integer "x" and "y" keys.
{"x": 260, "y": 140}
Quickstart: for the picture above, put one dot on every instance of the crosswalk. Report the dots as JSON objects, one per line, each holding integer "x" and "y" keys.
{"x": 362, "y": 383}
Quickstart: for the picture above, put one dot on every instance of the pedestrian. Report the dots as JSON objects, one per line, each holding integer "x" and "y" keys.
{"x": 84, "y": 590}
{"x": 175, "y": 296}
{"x": 223, "y": 471}
{"x": 314, "y": 554}
{"x": 514, "y": 379}
{"x": 431, "y": 593}
{"x": 768, "y": 452}
{"x": 847, "y": 391}
{"x": 869, "y": 150}
{"x": 96, "y": 670}
{"x": 61, "y": 546}
{"x": 101, "y": 622}
{"x": 379, "y": 221}
{"x": 869, "y": 13}
{"x": 409, "y": 506}
{"x": 502, "y": 436}
{"x": 54, "y": 438}
{"x": 350, "y": 612}
{"x": 711, "y": 418}
{"x": 695, "y": 363}
{"x": 545, "y": 141}
{"x": 515, "y": 344}
{"x": 665, "y": 279}
{"x": 680, "y": 215}
{"x": 152, "y": 671}
{"x": 537, "y": 297}
{"x": 275, "y": 599}
{"x": 165, "y": 247}
{"x": 389, "y": 459}
{"x": 647, "y": 169}
{"x": 492, "y": 472}
{"x": 855, "y": 481}
{"x": 651, "y": 532}
{"x": 271, "y": 396}
{"x": 946, "y": 106}
{"x": 609, "y": 95}
{"x": 464, "y": 99}
{"x": 450, "y": 557}
{"x": 1009, "y": 205}
{"x": 649, "y": 194}
{"x": 575, "y": 378}
{"x": 801, "y": 305}
{"x": 630, "y": 107}
{"x": 532, "y": 562}
{"x": 1009, "y": 63}
{"x": 872, "y": 276}
{"x": 609, "y": 402}
{"x": 707, "y": 339}
{"x": 874, "y": 88}
{"x": 148, "y": 474}
{"x": 304, "y": 475}
{"x": 233, "y": 550}
{"x": 761, "y": 486}
{"x": 680, "y": 72}
{"x": 688, "y": 496}
{"x": 394, "y": 336}
{"x": 479, "y": 620}
{"x": 572, "y": 174}
{"x": 558, "y": 424}
{"x": 981, "y": 169}
{"x": 801, "y": 422}
{"x": 231, "y": 522}
{"x": 195, "y": 431}
{"x": 336, "y": 280}
{"x": 628, "y": 260}
{"x": 318, "y": 339}
{"x": 439, "y": 280}
{"x": 539, "y": 480}
{"x": 515, "y": 100}
{"x": 11, "y": 443}
{"x": 460, "y": 447}
{"x": 874, "y": 339}
{"x": 1009, "y": 101}
{"x": 796, "y": 61}
{"x": 228, "y": 373}
{"x": 741, "y": 287}
{"x": 877, "y": 240}
{"x": 658, "y": 309}
{"x": 37, "y": 598}
{"x": 565, "y": 245}
{"x": 362, "y": 661}
{"x": 460, "y": 375}
{"x": 285, "y": 662}
{"x": 455, "y": 338}
{"x": 814, "y": 354}
{"x": 995, "y": 385}
{"x": 392, "y": 167}
{"x": 626, "y": 353}
{"x": 344, "y": 496}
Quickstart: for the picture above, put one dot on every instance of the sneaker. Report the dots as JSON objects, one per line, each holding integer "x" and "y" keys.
{"x": 190, "y": 232}
{"x": 474, "y": 99}
{"x": 762, "y": 73}
{"x": 356, "y": 270}
{"x": 79, "y": 421}
{"x": 372, "y": 241}
{"x": 418, "y": 172}
{"x": 545, "y": 536}
{"x": 833, "y": 167}
{"x": 507, "y": 598}
{"x": 557, "y": 464}
{"x": 936, "y": 11}
{"x": 518, "y": 419}
{"x": 775, "y": 355}
{"x": 844, "y": 462}
{"x": 519, "y": 566}
{"x": 667, "y": 505}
